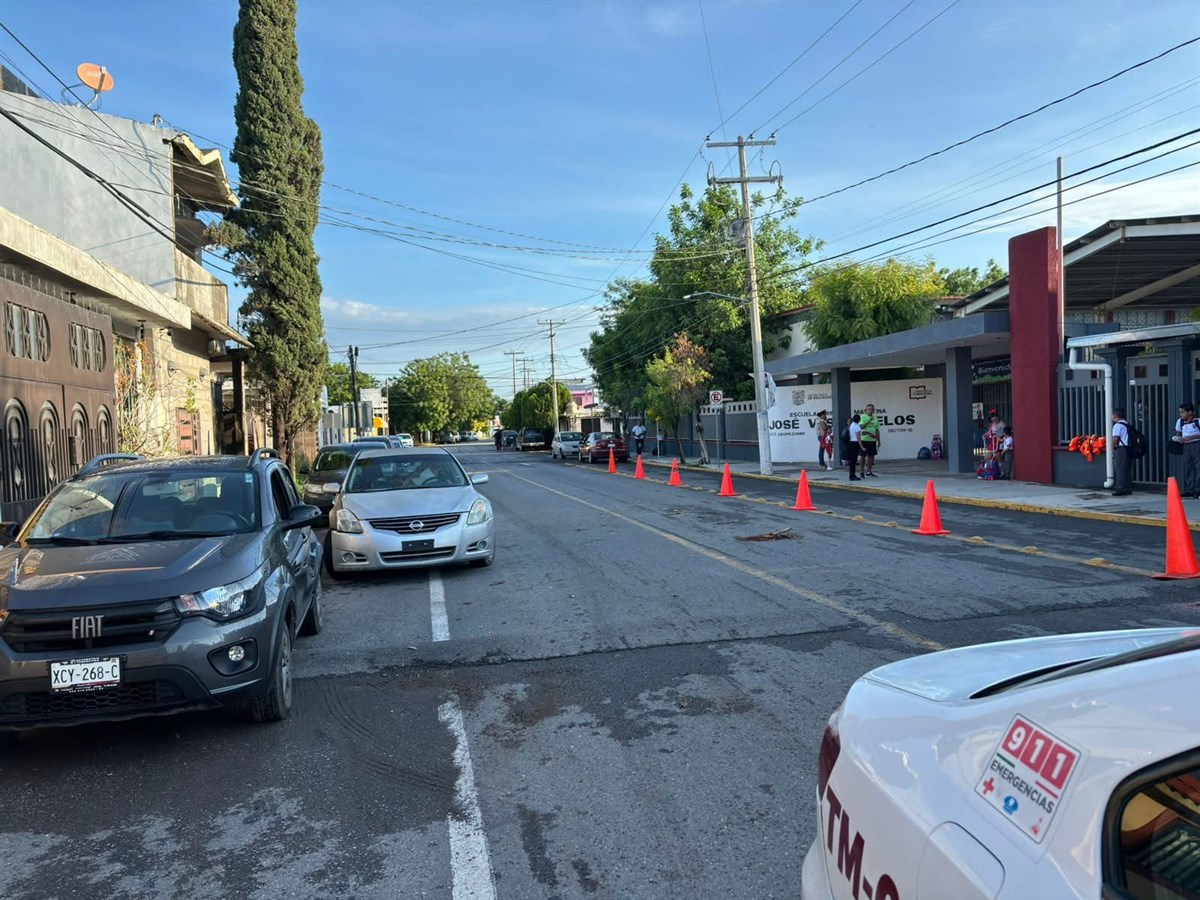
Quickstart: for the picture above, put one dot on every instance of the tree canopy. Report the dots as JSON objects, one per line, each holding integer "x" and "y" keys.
{"x": 857, "y": 302}
{"x": 440, "y": 393}
{"x": 531, "y": 408}
{"x": 699, "y": 253}
{"x": 966, "y": 280}
{"x": 678, "y": 381}
{"x": 337, "y": 382}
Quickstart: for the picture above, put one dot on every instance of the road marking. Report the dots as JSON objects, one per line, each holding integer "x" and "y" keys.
{"x": 857, "y": 615}
{"x": 470, "y": 863}
{"x": 437, "y": 606}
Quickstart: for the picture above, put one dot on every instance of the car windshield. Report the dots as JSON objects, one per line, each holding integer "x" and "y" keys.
{"x": 331, "y": 459}
{"x": 404, "y": 437}
{"x": 571, "y": 436}
{"x": 402, "y": 472}
{"x": 112, "y": 507}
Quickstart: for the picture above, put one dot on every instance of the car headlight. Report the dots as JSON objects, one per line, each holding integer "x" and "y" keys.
{"x": 347, "y": 522}
{"x": 479, "y": 513}
{"x": 223, "y": 602}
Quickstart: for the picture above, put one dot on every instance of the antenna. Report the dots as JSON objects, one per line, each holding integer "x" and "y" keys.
{"x": 92, "y": 76}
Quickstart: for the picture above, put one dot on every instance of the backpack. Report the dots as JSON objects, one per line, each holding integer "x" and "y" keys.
{"x": 924, "y": 453}
{"x": 1137, "y": 443}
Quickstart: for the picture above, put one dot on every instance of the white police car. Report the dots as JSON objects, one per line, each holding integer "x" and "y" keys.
{"x": 1056, "y": 767}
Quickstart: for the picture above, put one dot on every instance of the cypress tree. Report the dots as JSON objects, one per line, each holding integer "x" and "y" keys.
{"x": 278, "y": 155}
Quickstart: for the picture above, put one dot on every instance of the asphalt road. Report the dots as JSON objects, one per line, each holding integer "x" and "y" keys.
{"x": 628, "y": 704}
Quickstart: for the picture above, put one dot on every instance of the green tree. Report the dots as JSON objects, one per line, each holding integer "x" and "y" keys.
{"x": 440, "y": 393}
{"x": 531, "y": 408}
{"x": 270, "y": 238}
{"x": 699, "y": 253}
{"x": 337, "y": 382}
{"x": 678, "y": 380}
{"x": 964, "y": 281}
{"x": 858, "y": 302}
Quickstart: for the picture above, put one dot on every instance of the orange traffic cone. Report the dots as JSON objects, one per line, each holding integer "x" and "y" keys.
{"x": 675, "y": 480}
{"x": 612, "y": 462}
{"x": 1181, "y": 552}
{"x": 803, "y": 498}
{"x": 639, "y": 472}
{"x": 931, "y": 519}
{"x": 726, "y": 484}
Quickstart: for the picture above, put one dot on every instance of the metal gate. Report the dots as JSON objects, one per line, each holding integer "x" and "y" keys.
{"x": 995, "y": 395}
{"x": 1149, "y": 408}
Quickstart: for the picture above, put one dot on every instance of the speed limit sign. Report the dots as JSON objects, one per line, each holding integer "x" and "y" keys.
{"x": 716, "y": 398}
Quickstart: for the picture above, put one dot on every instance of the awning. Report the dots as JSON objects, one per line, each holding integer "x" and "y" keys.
{"x": 200, "y": 176}
{"x": 212, "y": 326}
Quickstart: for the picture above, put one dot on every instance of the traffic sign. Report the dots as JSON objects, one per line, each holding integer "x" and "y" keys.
{"x": 716, "y": 398}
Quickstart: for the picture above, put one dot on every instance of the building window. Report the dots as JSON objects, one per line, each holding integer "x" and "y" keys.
{"x": 26, "y": 333}
{"x": 80, "y": 449}
{"x": 104, "y": 432}
{"x": 49, "y": 430}
{"x": 86, "y": 347}
{"x": 16, "y": 426}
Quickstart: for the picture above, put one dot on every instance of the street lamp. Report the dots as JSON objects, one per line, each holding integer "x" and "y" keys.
{"x": 760, "y": 387}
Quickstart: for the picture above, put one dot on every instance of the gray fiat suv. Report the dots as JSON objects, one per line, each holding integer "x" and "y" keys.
{"x": 145, "y": 587}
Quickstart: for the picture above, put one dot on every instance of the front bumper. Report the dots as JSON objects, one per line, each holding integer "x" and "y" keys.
{"x": 814, "y": 881}
{"x": 157, "y": 678}
{"x": 377, "y": 549}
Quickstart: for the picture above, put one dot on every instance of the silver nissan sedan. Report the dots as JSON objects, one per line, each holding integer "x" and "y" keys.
{"x": 408, "y": 508}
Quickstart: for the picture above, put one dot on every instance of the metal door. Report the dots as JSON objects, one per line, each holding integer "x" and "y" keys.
{"x": 1150, "y": 409}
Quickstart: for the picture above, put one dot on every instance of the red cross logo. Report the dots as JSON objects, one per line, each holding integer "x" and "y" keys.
{"x": 989, "y": 786}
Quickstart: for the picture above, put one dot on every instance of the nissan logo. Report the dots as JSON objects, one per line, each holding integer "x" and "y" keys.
{"x": 418, "y": 525}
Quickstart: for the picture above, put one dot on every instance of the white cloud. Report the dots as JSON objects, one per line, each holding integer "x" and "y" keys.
{"x": 671, "y": 21}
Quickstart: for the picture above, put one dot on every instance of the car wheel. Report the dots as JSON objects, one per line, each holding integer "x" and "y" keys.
{"x": 329, "y": 567}
{"x": 277, "y": 705}
{"x": 485, "y": 561}
{"x": 315, "y": 620}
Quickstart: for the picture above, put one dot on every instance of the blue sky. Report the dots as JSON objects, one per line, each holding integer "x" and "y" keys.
{"x": 573, "y": 121}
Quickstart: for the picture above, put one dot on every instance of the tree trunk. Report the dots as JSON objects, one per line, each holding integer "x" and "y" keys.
{"x": 679, "y": 444}
{"x": 700, "y": 437}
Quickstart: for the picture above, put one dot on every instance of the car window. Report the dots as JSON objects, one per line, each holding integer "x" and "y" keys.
{"x": 407, "y": 471}
{"x": 604, "y": 436}
{"x": 571, "y": 436}
{"x": 1159, "y": 839}
{"x": 279, "y": 493}
{"x": 333, "y": 459}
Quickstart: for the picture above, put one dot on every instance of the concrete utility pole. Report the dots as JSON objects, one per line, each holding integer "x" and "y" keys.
{"x": 553, "y": 375}
{"x": 352, "y": 352}
{"x": 514, "y": 354}
{"x": 760, "y": 387}
{"x": 524, "y": 374}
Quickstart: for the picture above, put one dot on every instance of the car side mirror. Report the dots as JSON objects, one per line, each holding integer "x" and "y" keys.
{"x": 481, "y": 478}
{"x": 301, "y": 516}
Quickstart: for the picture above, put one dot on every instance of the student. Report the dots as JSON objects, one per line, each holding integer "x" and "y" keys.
{"x": 639, "y": 437}
{"x": 1122, "y": 485}
{"x": 870, "y": 440}
{"x": 854, "y": 445}
{"x": 824, "y": 440}
{"x": 1187, "y": 432}
{"x": 1006, "y": 454}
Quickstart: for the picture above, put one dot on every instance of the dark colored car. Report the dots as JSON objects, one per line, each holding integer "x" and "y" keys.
{"x": 532, "y": 439}
{"x": 598, "y": 443}
{"x": 329, "y": 471}
{"x": 147, "y": 587}
{"x": 510, "y": 438}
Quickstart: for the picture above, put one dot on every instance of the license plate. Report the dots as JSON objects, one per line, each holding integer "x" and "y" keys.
{"x": 410, "y": 546}
{"x": 85, "y": 674}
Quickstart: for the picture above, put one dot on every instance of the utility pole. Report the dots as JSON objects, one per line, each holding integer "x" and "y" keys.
{"x": 553, "y": 375}
{"x": 760, "y": 387}
{"x": 352, "y": 352}
{"x": 524, "y": 373}
{"x": 514, "y": 354}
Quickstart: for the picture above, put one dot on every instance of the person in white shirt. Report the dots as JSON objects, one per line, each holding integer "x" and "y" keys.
{"x": 1122, "y": 485}
{"x": 1187, "y": 432}
{"x": 854, "y": 445}
{"x": 1006, "y": 454}
{"x": 639, "y": 437}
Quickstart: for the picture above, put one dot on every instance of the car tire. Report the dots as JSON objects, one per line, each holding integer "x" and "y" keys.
{"x": 314, "y": 621}
{"x": 333, "y": 573}
{"x": 485, "y": 561}
{"x": 277, "y": 704}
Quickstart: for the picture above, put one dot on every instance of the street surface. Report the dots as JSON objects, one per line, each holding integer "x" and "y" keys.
{"x": 628, "y": 704}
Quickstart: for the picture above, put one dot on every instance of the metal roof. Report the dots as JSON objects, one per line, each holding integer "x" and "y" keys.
{"x": 1137, "y": 335}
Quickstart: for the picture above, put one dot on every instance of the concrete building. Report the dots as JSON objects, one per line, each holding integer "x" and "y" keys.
{"x": 115, "y": 337}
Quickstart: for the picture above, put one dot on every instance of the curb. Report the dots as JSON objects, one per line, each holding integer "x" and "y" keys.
{"x": 1012, "y": 505}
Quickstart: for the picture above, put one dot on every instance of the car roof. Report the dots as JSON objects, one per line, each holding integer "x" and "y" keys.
{"x": 402, "y": 451}
{"x": 342, "y": 447}
{"x": 179, "y": 464}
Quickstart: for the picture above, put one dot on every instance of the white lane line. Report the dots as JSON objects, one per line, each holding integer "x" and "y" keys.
{"x": 470, "y": 863}
{"x": 437, "y": 606}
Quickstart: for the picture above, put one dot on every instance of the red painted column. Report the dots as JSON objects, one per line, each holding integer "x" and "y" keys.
{"x": 1036, "y": 347}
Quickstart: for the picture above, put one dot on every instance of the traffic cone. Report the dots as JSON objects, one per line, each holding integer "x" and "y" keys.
{"x": 1181, "y": 552}
{"x": 675, "y": 480}
{"x": 639, "y": 472}
{"x": 803, "y": 498}
{"x": 931, "y": 519}
{"x": 612, "y": 462}
{"x": 726, "y": 484}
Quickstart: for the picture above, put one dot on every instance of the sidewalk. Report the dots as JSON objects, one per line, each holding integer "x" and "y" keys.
{"x": 905, "y": 478}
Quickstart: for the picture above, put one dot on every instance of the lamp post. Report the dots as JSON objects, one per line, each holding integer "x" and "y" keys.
{"x": 760, "y": 387}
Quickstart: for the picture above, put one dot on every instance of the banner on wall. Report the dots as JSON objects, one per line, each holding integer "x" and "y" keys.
{"x": 909, "y": 412}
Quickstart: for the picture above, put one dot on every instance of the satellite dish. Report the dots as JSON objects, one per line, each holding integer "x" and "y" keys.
{"x": 97, "y": 78}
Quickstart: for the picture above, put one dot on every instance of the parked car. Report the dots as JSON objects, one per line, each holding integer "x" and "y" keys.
{"x": 1064, "y": 766}
{"x": 145, "y": 587}
{"x": 328, "y": 472}
{"x": 467, "y": 436}
{"x": 510, "y": 438}
{"x": 406, "y": 508}
{"x": 405, "y": 439}
{"x": 565, "y": 442}
{"x": 597, "y": 444}
{"x": 532, "y": 439}
{"x": 377, "y": 440}
{"x": 447, "y": 437}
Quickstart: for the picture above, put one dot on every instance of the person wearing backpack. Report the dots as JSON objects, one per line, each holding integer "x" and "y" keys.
{"x": 1122, "y": 458}
{"x": 1187, "y": 434}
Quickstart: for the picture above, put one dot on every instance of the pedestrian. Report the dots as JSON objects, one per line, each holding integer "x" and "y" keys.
{"x": 824, "y": 441}
{"x": 498, "y": 437}
{"x": 870, "y": 440}
{"x": 1122, "y": 486}
{"x": 639, "y": 437}
{"x": 994, "y": 435}
{"x": 1187, "y": 432}
{"x": 1006, "y": 454}
{"x": 854, "y": 445}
